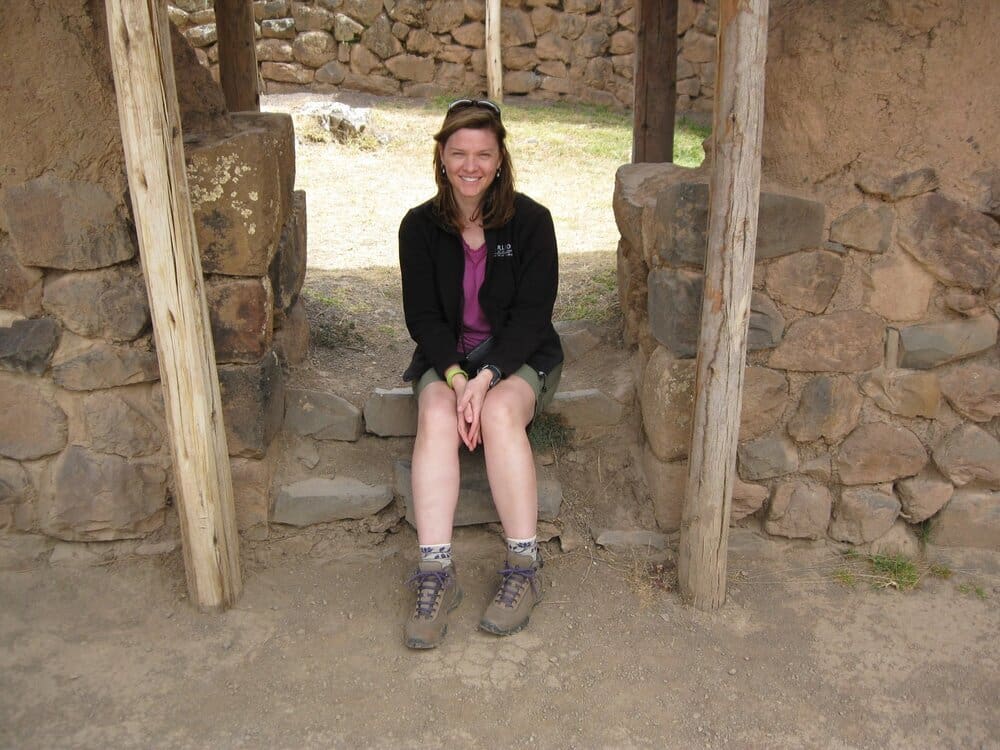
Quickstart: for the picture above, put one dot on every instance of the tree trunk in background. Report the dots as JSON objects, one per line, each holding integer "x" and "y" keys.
{"x": 154, "y": 158}
{"x": 494, "y": 65}
{"x": 655, "y": 100}
{"x": 732, "y": 234}
{"x": 237, "y": 54}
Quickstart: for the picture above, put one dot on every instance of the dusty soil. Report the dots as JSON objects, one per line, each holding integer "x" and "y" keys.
{"x": 104, "y": 650}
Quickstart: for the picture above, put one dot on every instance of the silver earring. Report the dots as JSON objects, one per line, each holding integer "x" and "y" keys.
{"x": 498, "y": 171}
{"x": 443, "y": 170}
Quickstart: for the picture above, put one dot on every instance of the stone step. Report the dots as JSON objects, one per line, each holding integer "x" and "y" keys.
{"x": 475, "y": 502}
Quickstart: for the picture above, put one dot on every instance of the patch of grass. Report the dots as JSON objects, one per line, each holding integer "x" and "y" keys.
{"x": 595, "y": 299}
{"x": 688, "y": 137}
{"x": 897, "y": 571}
{"x": 940, "y": 571}
{"x": 924, "y": 531}
{"x": 549, "y": 431}
{"x": 845, "y": 577}
{"x": 973, "y": 588}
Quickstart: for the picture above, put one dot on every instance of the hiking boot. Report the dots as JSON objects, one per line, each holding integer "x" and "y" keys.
{"x": 438, "y": 593}
{"x": 520, "y": 590}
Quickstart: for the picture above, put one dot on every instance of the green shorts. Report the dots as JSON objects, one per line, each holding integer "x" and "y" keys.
{"x": 543, "y": 384}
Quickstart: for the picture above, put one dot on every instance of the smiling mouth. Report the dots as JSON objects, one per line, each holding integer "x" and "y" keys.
{"x": 469, "y": 179}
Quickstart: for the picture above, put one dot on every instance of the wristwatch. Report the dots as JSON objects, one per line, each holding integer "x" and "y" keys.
{"x": 496, "y": 373}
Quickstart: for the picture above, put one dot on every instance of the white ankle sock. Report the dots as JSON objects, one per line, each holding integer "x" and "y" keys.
{"x": 523, "y": 547}
{"x": 436, "y": 553}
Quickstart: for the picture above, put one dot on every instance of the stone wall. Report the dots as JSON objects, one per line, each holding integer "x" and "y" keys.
{"x": 83, "y": 452}
{"x": 872, "y": 393}
{"x": 571, "y": 50}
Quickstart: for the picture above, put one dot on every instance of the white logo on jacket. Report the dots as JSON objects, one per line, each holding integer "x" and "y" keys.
{"x": 503, "y": 250}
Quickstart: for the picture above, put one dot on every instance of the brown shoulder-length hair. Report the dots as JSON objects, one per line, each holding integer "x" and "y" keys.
{"x": 498, "y": 203}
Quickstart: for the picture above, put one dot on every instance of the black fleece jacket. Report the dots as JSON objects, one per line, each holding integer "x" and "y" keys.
{"x": 517, "y": 296}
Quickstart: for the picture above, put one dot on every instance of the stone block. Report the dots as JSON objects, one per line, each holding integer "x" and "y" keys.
{"x": 909, "y": 393}
{"x": 969, "y": 454}
{"x": 253, "y": 403}
{"x": 521, "y": 81}
{"x": 767, "y": 457}
{"x": 767, "y": 324}
{"x": 765, "y": 393}
{"x": 265, "y": 9}
{"x": 667, "y": 484}
{"x": 879, "y": 452}
{"x": 252, "y": 485}
{"x": 20, "y": 285}
{"x": 291, "y": 341}
{"x": 28, "y": 345}
{"x": 378, "y": 37}
{"x": 520, "y": 58}
{"x": 747, "y": 499}
{"x": 973, "y": 391}
{"x": 632, "y": 540}
{"x": 334, "y": 72}
{"x": 122, "y": 423}
{"x": 106, "y": 366}
{"x": 806, "y": 280}
{"x": 799, "y": 510}
{"x": 312, "y": 501}
{"x": 864, "y": 228}
{"x": 241, "y": 314}
{"x": 897, "y": 187}
{"x": 279, "y": 138}
{"x": 785, "y": 224}
{"x": 863, "y": 514}
{"x": 586, "y": 408}
{"x": 410, "y": 12}
{"x": 958, "y": 245}
{"x": 553, "y": 46}
{"x": 412, "y": 68}
{"x": 819, "y": 468}
{"x": 674, "y": 309}
{"x": 274, "y": 50}
{"x": 847, "y": 341}
{"x": 667, "y": 403}
{"x": 475, "y": 502}
{"x": 900, "y": 289}
{"x": 423, "y": 42}
{"x": 829, "y": 407}
{"x": 98, "y": 497}
{"x": 899, "y": 541}
{"x": 289, "y": 72}
{"x": 288, "y": 268}
{"x": 31, "y": 424}
{"x": 15, "y": 484}
{"x": 391, "y": 412}
{"x": 923, "y": 495}
{"x": 309, "y": 18}
{"x": 203, "y": 35}
{"x": 278, "y": 28}
{"x": 66, "y": 224}
{"x": 970, "y": 519}
{"x": 314, "y": 48}
{"x": 364, "y": 11}
{"x": 236, "y": 184}
{"x": 966, "y": 304}
{"x": 321, "y": 415}
{"x": 577, "y": 338}
{"x": 109, "y": 303}
{"x": 928, "y": 345}
{"x": 515, "y": 28}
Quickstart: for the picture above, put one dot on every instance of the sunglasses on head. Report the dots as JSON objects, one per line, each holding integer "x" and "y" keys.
{"x": 484, "y": 103}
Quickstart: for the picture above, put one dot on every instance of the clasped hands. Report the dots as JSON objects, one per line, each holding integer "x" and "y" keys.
{"x": 469, "y": 397}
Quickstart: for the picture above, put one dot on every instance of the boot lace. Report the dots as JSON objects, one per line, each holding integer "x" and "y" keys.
{"x": 429, "y": 586}
{"x": 514, "y": 581}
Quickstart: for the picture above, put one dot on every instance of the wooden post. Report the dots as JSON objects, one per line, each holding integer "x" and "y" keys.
{"x": 154, "y": 159}
{"x": 655, "y": 97}
{"x": 732, "y": 234}
{"x": 494, "y": 65}
{"x": 237, "y": 55}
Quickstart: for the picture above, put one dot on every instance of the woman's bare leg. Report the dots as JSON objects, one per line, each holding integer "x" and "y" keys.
{"x": 435, "y": 473}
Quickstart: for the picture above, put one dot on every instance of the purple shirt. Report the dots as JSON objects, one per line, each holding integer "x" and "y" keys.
{"x": 475, "y": 326}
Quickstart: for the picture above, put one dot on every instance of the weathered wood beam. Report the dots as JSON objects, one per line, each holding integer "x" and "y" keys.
{"x": 154, "y": 159}
{"x": 655, "y": 97}
{"x": 237, "y": 55}
{"x": 732, "y": 235}
{"x": 494, "y": 64}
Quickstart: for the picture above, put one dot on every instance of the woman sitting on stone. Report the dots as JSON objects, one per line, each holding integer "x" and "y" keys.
{"x": 479, "y": 275}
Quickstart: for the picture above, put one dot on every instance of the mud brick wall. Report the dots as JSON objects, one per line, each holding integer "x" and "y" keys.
{"x": 570, "y": 50}
{"x": 871, "y": 399}
{"x": 83, "y": 449}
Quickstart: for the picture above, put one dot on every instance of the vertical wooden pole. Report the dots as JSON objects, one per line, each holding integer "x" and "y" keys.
{"x": 494, "y": 65}
{"x": 237, "y": 54}
{"x": 732, "y": 234}
{"x": 154, "y": 159}
{"x": 655, "y": 97}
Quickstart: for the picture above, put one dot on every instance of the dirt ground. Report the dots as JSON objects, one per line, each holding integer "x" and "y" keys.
{"x": 99, "y": 646}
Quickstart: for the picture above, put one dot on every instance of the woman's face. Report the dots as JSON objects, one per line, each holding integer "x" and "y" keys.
{"x": 471, "y": 158}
